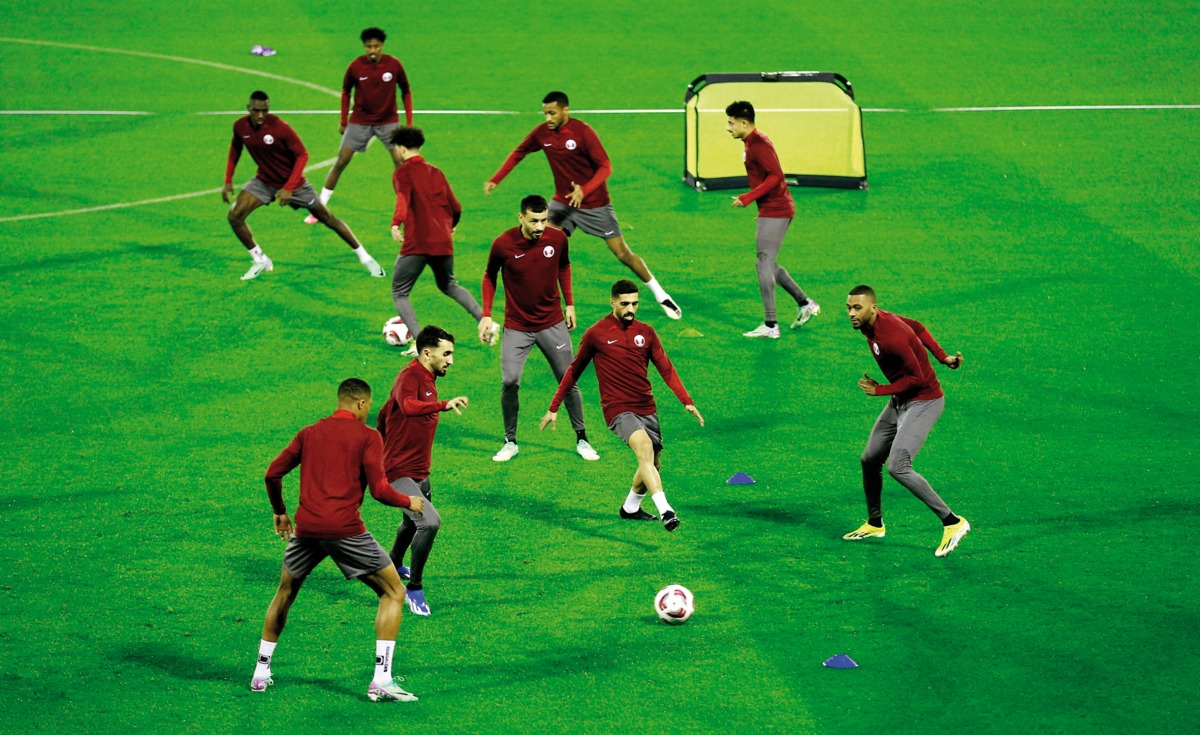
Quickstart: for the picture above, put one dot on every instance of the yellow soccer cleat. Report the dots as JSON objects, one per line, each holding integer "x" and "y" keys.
{"x": 866, "y": 530}
{"x": 951, "y": 536}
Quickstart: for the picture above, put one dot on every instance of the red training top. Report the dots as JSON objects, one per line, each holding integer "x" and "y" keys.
{"x": 575, "y": 154}
{"x": 276, "y": 149}
{"x": 408, "y": 422}
{"x": 533, "y": 270}
{"x": 899, "y": 345}
{"x": 375, "y": 98}
{"x": 427, "y": 208}
{"x": 767, "y": 185}
{"x": 622, "y": 353}
{"x": 335, "y": 455}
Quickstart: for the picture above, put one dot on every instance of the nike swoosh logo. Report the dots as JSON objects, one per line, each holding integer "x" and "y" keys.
{"x": 609, "y": 233}
{"x": 545, "y": 145}
{"x": 518, "y": 257}
{"x": 559, "y": 347}
{"x": 612, "y": 341}
{"x": 428, "y": 394}
{"x": 363, "y": 79}
{"x": 246, "y": 137}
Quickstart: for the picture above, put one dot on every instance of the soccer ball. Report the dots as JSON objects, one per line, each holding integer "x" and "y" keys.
{"x": 396, "y": 332}
{"x": 674, "y": 604}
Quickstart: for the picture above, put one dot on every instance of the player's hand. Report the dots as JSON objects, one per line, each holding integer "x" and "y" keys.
{"x": 867, "y": 383}
{"x": 341, "y": 130}
{"x": 416, "y": 504}
{"x": 284, "y": 197}
{"x": 489, "y": 187}
{"x": 551, "y": 420}
{"x": 576, "y": 197}
{"x": 225, "y": 192}
{"x": 737, "y": 203}
{"x": 569, "y": 313}
{"x": 397, "y": 234}
{"x": 954, "y": 362}
{"x": 695, "y": 412}
{"x": 485, "y": 330}
{"x": 283, "y": 526}
{"x": 454, "y": 403}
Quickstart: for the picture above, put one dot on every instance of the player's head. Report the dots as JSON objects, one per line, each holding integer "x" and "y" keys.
{"x": 625, "y": 300}
{"x": 258, "y": 107}
{"x": 557, "y": 109}
{"x": 535, "y": 213}
{"x": 373, "y": 39}
{"x": 410, "y": 139}
{"x": 741, "y": 119}
{"x": 861, "y": 307}
{"x": 435, "y": 349}
{"x": 354, "y": 395}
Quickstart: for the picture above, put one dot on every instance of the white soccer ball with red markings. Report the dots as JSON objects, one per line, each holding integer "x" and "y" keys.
{"x": 396, "y": 332}
{"x": 674, "y": 604}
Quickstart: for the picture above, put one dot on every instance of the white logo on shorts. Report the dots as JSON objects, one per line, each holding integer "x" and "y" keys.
{"x": 548, "y": 251}
{"x": 639, "y": 340}
{"x": 268, "y": 139}
{"x": 609, "y": 233}
{"x": 875, "y": 346}
{"x": 559, "y": 347}
{"x": 387, "y": 76}
{"x": 571, "y": 145}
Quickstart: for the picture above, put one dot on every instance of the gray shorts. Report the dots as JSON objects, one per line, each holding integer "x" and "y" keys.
{"x": 356, "y": 556}
{"x": 303, "y": 197}
{"x": 600, "y": 222}
{"x": 356, "y": 137}
{"x": 626, "y": 424}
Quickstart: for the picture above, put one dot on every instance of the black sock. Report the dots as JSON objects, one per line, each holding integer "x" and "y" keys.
{"x": 876, "y": 522}
{"x": 581, "y": 435}
{"x": 950, "y": 520}
{"x": 770, "y": 324}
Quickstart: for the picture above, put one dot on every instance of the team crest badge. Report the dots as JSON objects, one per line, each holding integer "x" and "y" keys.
{"x": 875, "y": 346}
{"x": 268, "y": 139}
{"x": 639, "y": 340}
{"x": 571, "y": 144}
{"x": 548, "y": 251}
{"x": 387, "y": 76}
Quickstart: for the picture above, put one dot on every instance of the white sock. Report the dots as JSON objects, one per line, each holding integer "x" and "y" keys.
{"x": 659, "y": 293}
{"x": 266, "y": 649}
{"x": 660, "y": 502}
{"x": 325, "y": 195}
{"x": 363, "y": 256}
{"x": 383, "y": 661}
{"x": 258, "y": 254}
{"x": 633, "y": 502}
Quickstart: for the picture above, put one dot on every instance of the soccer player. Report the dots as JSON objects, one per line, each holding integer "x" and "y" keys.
{"x": 408, "y": 422}
{"x": 580, "y": 167}
{"x": 533, "y": 260}
{"x": 372, "y": 79}
{"x": 623, "y": 348}
{"x": 334, "y": 455}
{"x": 775, "y": 212}
{"x": 915, "y": 401}
{"x": 281, "y": 157}
{"x": 423, "y": 223}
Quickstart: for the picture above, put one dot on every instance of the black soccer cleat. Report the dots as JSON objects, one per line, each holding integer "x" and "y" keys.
{"x": 638, "y": 515}
{"x": 670, "y": 520}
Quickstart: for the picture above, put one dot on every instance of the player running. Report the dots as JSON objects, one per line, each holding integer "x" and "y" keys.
{"x": 334, "y": 455}
{"x": 281, "y": 158}
{"x": 533, "y": 260}
{"x": 408, "y": 422}
{"x": 581, "y": 167}
{"x": 623, "y": 348}
{"x": 915, "y": 401}
{"x": 372, "y": 79}
{"x": 769, "y": 191}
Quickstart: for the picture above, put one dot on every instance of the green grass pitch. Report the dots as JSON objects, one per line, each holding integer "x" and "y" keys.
{"x": 145, "y": 388}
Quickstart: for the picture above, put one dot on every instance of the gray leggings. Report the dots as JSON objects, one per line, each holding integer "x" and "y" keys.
{"x": 555, "y": 344}
{"x": 408, "y": 269}
{"x": 899, "y": 433}
{"x": 416, "y": 530}
{"x": 768, "y": 240}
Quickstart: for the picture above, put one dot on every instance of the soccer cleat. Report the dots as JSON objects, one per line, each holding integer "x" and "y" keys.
{"x": 671, "y": 308}
{"x": 866, "y": 530}
{"x": 375, "y": 269}
{"x": 762, "y": 330}
{"x": 670, "y": 520}
{"x": 404, "y": 572}
{"x": 260, "y": 684}
{"x": 411, "y": 351}
{"x": 806, "y": 312}
{"x": 260, "y": 267}
{"x": 390, "y": 692}
{"x": 507, "y": 452}
{"x": 416, "y": 602}
{"x": 311, "y": 220}
{"x": 951, "y": 535}
{"x": 585, "y": 450}
{"x": 637, "y": 515}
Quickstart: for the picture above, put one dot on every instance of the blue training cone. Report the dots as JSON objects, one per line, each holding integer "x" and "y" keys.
{"x": 740, "y": 478}
{"x": 840, "y": 661}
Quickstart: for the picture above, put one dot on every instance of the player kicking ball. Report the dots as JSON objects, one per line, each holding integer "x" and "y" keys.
{"x": 623, "y": 349}
{"x": 281, "y": 158}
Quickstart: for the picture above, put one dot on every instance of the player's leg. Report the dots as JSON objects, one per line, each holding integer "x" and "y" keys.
{"x": 250, "y": 198}
{"x": 648, "y": 479}
{"x": 300, "y": 558}
{"x": 555, "y": 344}
{"x": 331, "y": 180}
{"x": 768, "y": 238}
{"x": 874, "y": 455}
{"x": 387, "y": 584}
{"x": 443, "y": 273}
{"x": 335, "y": 223}
{"x": 418, "y": 532}
{"x": 405, "y": 273}
{"x": 514, "y": 351}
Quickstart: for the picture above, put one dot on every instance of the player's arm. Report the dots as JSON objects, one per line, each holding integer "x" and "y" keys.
{"x": 455, "y": 207}
{"x": 564, "y": 284}
{"x": 405, "y": 94}
{"x": 403, "y": 188}
{"x": 766, "y": 157}
{"x": 411, "y": 402}
{"x": 954, "y": 362}
{"x": 670, "y": 376}
{"x": 603, "y": 165}
{"x": 348, "y": 83}
{"x": 296, "y": 147}
{"x": 372, "y": 467}
{"x": 488, "y": 291}
{"x": 587, "y": 350}
{"x": 287, "y": 461}
{"x": 529, "y": 145}
{"x": 235, "y": 154}
{"x": 910, "y": 365}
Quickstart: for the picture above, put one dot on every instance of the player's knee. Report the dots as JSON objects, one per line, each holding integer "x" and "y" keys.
{"x": 510, "y": 387}
{"x": 236, "y": 218}
{"x": 899, "y": 463}
{"x": 871, "y": 461}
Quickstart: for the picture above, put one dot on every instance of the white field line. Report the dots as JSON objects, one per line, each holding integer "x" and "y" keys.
{"x": 74, "y": 112}
{"x": 1055, "y": 108}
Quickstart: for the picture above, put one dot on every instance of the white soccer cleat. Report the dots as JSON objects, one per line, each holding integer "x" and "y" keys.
{"x": 671, "y": 308}
{"x": 763, "y": 331}
{"x": 375, "y": 269}
{"x": 260, "y": 684}
{"x": 260, "y": 267}
{"x": 411, "y": 351}
{"x": 806, "y": 312}
{"x": 585, "y": 450}
{"x": 390, "y": 692}
{"x": 507, "y": 452}
{"x": 311, "y": 219}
